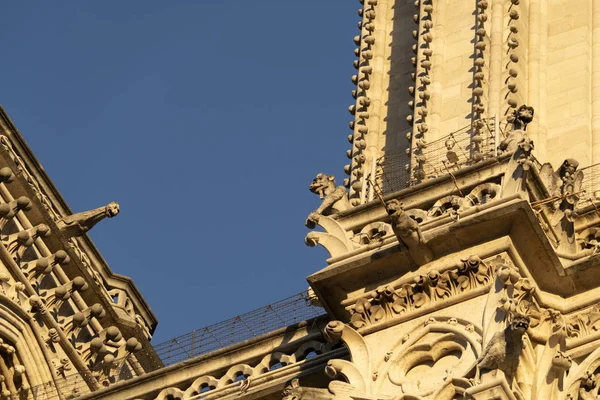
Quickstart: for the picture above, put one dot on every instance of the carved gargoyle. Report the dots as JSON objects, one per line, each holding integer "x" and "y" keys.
{"x": 408, "y": 232}
{"x": 520, "y": 118}
{"x": 520, "y": 145}
{"x": 563, "y": 186}
{"x": 80, "y": 223}
{"x": 589, "y": 388}
{"x": 335, "y": 198}
{"x": 565, "y": 182}
{"x": 504, "y": 348}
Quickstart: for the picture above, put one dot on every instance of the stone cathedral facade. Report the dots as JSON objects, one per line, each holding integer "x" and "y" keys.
{"x": 463, "y": 244}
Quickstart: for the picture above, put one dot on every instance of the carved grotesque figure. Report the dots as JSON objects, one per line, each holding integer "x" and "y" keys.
{"x": 78, "y": 224}
{"x": 589, "y": 387}
{"x": 334, "y": 198}
{"x": 520, "y": 118}
{"x": 405, "y": 228}
{"x": 408, "y": 232}
{"x": 503, "y": 350}
{"x": 569, "y": 176}
{"x": 563, "y": 186}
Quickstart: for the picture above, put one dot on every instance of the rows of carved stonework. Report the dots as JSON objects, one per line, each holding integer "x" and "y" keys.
{"x": 430, "y": 291}
{"x": 423, "y": 363}
{"x": 83, "y": 258}
{"x": 519, "y": 350}
{"x": 70, "y": 330}
{"x": 118, "y": 297}
{"x": 7, "y": 146}
{"x": 420, "y": 91}
{"x": 583, "y": 381}
{"x": 512, "y": 64}
{"x": 424, "y": 293}
{"x": 242, "y": 378}
{"x": 360, "y": 110}
{"x": 12, "y": 371}
{"x": 337, "y": 241}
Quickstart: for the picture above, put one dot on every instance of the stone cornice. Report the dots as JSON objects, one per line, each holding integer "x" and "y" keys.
{"x": 497, "y": 225}
{"x": 287, "y": 345}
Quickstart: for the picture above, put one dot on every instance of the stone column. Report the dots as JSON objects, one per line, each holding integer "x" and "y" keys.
{"x": 495, "y": 79}
{"x": 437, "y": 71}
{"x": 533, "y": 95}
{"x": 595, "y": 81}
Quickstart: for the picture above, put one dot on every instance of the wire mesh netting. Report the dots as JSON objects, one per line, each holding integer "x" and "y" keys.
{"x": 278, "y": 315}
{"x": 274, "y": 316}
{"x": 467, "y": 146}
{"x": 591, "y": 182}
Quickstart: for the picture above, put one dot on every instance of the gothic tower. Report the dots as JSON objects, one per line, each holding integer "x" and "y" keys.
{"x": 426, "y": 70}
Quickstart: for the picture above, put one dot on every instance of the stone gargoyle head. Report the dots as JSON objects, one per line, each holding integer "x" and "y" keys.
{"x": 522, "y": 116}
{"x": 568, "y": 167}
{"x": 520, "y": 323}
{"x": 322, "y": 185}
{"x": 112, "y": 209}
{"x": 394, "y": 206}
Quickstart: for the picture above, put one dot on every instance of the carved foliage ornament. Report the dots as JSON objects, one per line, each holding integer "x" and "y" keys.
{"x": 388, "y": 302}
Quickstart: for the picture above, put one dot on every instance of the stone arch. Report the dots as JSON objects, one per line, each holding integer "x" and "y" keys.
{"x": 443, "y": 344}
{"x": 22, "y": 358}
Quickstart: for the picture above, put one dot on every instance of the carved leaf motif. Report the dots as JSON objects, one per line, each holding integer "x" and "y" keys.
{"x": 420, "y": 299}
{"x": 358, "y": 320}
{"x": 386, "y": 302}
{"x": 377, "y": 313}
{"x": 399, "y": 306}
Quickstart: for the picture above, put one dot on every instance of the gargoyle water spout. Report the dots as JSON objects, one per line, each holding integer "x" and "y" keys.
{"x": 80, "y": 223}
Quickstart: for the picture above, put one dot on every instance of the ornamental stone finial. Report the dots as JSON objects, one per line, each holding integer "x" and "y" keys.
{"x": 78, "y": 224}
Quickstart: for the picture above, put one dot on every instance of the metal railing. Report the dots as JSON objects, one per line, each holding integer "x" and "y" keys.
{"x": 467, "y": 146}
{"x": 591, "y": 182}
{"x": 235, "y": 330}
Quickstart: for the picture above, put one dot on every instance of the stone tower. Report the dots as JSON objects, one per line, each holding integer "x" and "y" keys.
{"x": 427, "y": 70}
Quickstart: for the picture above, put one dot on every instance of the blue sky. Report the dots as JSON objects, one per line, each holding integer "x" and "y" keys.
{"x": 205, "y": 120}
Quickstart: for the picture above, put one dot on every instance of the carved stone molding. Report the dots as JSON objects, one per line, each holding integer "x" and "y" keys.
{"x": 341, "y": 242}
{"x": 241, "y": 378}
{"x": 425, "y": 293}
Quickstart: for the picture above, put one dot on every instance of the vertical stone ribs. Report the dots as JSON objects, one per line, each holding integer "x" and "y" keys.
{"x": 514, "y": 64}
{"x": 421, "y": 76}
{"x": 360, "y": 110}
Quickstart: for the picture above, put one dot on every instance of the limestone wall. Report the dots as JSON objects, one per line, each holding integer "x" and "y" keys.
{"x": 485, "y": 59}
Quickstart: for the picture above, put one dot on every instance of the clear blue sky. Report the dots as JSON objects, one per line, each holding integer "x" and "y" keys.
{"x": 206, "y": 121}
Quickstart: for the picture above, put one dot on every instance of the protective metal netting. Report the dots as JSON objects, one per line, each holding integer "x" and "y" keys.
{"x": 274, "y": 316}
{"x": 467, "y": 146}
{"x": 278, "y": 315}
{"x": 591, "y": 182}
